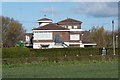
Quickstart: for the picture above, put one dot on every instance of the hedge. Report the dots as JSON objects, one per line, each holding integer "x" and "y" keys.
{"x": 16, "y": 52}
{"x": 59, "y": 52}
{"x": 19, "y": 52}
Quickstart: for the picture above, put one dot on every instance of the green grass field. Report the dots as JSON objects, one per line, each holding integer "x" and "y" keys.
{"x": 74, "y": 69}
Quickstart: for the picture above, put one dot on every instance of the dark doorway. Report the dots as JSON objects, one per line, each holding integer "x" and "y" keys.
{"x": 57, "y": 38}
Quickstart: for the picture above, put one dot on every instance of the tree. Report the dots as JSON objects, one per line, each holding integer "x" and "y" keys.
{"x": 108, "y": 38}
{"x": 12, "y": 31}
{"x": 98, "y": 35}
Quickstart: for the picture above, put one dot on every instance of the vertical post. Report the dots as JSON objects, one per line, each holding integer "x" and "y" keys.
{"x": 116, "y": 41}
{"x": 113, "y": 37}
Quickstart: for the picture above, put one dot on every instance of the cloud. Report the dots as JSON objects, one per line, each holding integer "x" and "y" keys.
{"x": 50, "y": 10}
{"x": 97, "y": 9}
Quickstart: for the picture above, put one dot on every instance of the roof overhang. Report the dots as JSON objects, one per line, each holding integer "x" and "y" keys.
{"x": 61, "y": 30}
{"x": 70, "y": 23}
{"x": 50, "y": 30}
{"x": 44, "y": 21}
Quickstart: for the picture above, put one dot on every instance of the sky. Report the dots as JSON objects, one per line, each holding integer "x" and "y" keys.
{"x": 90, "y": 13}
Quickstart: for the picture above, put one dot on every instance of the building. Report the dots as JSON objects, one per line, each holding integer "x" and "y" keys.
{"x": 65, "y": 33}
{"x": 29, "y": 39}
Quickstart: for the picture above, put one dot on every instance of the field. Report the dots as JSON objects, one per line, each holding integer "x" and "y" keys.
{"x": 66, "y": 69}
{"x": 22, "y": 62}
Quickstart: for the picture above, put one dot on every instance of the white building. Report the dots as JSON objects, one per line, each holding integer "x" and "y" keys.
{"x": 66, "y": 33}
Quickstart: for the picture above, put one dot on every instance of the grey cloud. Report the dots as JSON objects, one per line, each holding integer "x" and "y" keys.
{"x": 97, "y": 9}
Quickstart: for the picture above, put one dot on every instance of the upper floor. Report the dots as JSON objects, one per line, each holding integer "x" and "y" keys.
{"x": 44, "y": 21}
{"x": 68, "y": 23}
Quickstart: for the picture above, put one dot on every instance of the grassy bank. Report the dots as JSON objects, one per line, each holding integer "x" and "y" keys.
{"x": 69, "y": 69}
{"x": 95, "y": 58}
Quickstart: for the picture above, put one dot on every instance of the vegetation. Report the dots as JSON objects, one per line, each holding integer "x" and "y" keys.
{"x": 26, "y": 55}
{"x": 102, "y": 37}
{"x": 22, "y": 62}
{"x": 12, "y": 31}
{"x": 15, "y": 52}
{"x": 18, "y": 52}
{"x": 69, "y": 69}
{"x": 98, "y": 36}
{"x": 19, "y": 62}
{"x": 119, "y": 36}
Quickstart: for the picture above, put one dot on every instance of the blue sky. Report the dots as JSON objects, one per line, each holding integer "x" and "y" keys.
{"x": 90, "y": 13}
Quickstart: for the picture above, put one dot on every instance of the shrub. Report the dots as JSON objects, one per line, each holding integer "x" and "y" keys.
{"x": 15, "y": 52}
{"x": 18, "y": 52}
{"x": 59, "y": 52}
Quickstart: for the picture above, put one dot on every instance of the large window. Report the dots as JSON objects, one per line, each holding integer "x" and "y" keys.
{"x": 69, "y": 27}
{"x": 43, "y": 35}
{"x": 75, "y": 26}
{"x": 65, "y": 26}
{"x": 27, "y": 38}
{"x": 74, "y": 37}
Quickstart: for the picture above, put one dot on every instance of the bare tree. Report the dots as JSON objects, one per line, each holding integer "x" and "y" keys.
{"x": 12, "y": 31}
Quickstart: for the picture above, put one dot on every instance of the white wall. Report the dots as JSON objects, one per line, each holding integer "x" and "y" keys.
{"x": 43, "y": 24}
{"x": 51, "y": 45}
{"x": 81, "y": 45}
{"x": 38, "y": 45}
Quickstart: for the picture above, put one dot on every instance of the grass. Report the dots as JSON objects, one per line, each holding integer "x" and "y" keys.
{"x": 68, "y": 69}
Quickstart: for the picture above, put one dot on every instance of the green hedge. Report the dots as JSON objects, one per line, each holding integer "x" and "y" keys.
{"x": 16, "y": 52}
{"x": 59, "y": 52}
{"x": 19, "y": 52}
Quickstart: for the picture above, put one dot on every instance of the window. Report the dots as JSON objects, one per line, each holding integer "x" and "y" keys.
{"x": 75, "y": 26}
{"x": 74, "y": 37}
{"x": 27, "y": 38}
{"x": 43, "y": 36}
{"x": 69, "y": 27}
{"x": 65, "y": 26}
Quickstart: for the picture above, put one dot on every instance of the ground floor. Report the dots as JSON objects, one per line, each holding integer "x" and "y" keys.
{"x": 59, "y": 39}
{"x": 41, "y": 45}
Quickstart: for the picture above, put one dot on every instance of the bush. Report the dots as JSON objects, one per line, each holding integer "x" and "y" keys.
{"x": 27, "y": 55}
{"x": 59, "y": 52}
{"x": 18, "y": 52}
{"x": 15, "y": 52}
